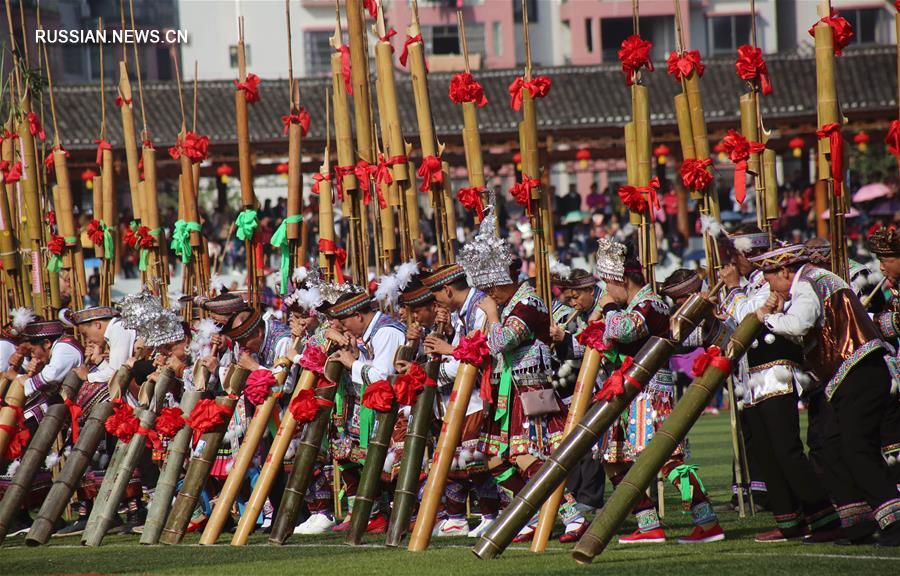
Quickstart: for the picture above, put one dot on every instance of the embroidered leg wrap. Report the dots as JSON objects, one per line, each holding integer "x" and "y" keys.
{"x": 488, "y": 495}
{"x": 791, "y": 525}
{"x": 455, "y": 496}
{"x": 702, "y": 514}
{"x": 647, "y": 520}
{"x": 685, "y": 478}
{"x": 570, "y": 510}
{"x": 857, "y": 519}
{"x": 825, "y": 519}
{"x": 888, "y": 513}
{"x": 319, "y": 495}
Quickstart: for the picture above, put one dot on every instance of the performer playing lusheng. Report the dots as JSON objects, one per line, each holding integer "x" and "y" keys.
{"x": 846, "y": 354}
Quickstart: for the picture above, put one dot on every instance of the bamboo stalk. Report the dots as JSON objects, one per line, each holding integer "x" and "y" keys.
{"x": 370, "y": 478}
{"x": 131, "y": 154}
{"x": 15, "y": 398}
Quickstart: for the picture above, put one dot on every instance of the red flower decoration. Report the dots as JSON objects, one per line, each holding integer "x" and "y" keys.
{"x": 681, "y": 65}
{"x": 206, "y": 415}
{"x": 841, "y": 29}
{"x": 250, "y": 87}
{"x": 712, "y": 356}
{"x": 301, "y": 118}
{"x": 144, "y": 238}
{"x": 13, "y": 174}
{"x": 751, "y": 67}
{"x": 614, "y": 386}
{"x": 410, "y": 384}
{"x": 592, "y": 336}
{"x": 465, "y": 88}
{"x": 634, "y": 55}
{"x": 34, "y": 126}
{"x": 259, "y": 383}
{"x": 521, "y": 191}
{"x": 539, "y": 87}
{"x": 633, "y": 197}
{"x": 56, "y": 244}
{"x": 123, "y": 424}
{"x": 304, "y": 407}
{"x": 431, "y": 172}
{"x": 695, "y": 174}
{"x": 472, "y": 349}
{"x": 470, "y": 198}
{"x": 739, "y": 149}
{"x": 378, "y": 396}
{"x": 194, "y": 146}
{"x": 313, "y": 359}
{"x": 169, "y": 422}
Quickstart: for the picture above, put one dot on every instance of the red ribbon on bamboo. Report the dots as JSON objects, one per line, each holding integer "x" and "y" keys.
{"x": 123, "y": 424}
{"x": 750, "y": 66}
{"x": 152, "y": 438}
{"x": 317, "y": 178}
{"x": 410, "y": 384}
{"x": 465, "y": 88}
{"x": 169, "y": 422}
{"x": 19, "y": 434}
{"x": 378, "y": 396}
{"x": 695, "y": 174}
{"x": 521, "y": 191}
{"x": 34, "y": 126}
{"x": 841, "y": 29}
{"x": 471, "y": 200}
{"x": 712, "y": 356}
{"x": 832, "y": 131}
{"x": 206, "y": 415}
{"x": 74, "y": 414}
{"x": 101, "y": 146}
{"x": 614, "y": 386}
{"x": 634, "y": 53}
{"x": 301, "y": 118}
{"x": 538, "y": 87}
{"x": 739, "y": 149}
{"x": 313, "y": 359}
{"x": 345, "y": 67}
{"x": 592, "y": 336}
{"x": 250, "y": 88}
{"x": 681, "y": 65}
{"x": 340, "y": 257}
{"x": 387, "y": 38}
{"x": 258, "y": 385}
{"x": 474, "y": 350}
{"x": 430, "y": 172}
{"x": 633, "y": 197}
{"x": 405, "y": 54}
{"x": 305, "y": 406}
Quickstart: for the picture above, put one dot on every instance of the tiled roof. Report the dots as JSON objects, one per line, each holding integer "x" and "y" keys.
{"x": 582, "y": 99}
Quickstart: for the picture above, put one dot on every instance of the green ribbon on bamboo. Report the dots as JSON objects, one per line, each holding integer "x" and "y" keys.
{"x": 109, "y": 244}
{"x": 181, "y": 239}
{"x": 145, "y": 253}
{"x": 55, "y": 263}
{"x": 246, "y": 224}
{"x": 683, "y": 475}
{"x": 503, "y": 399}
{"x": 279, "y": 240}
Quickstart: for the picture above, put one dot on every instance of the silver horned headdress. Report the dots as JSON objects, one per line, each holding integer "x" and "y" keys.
{"x": 155, "y": 325}
{"x": 611, "y": 260}
{"x": 487, "y": 258}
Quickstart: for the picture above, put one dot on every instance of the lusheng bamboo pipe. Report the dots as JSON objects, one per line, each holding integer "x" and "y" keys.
{"x": 200, "y": 466}
{"x": 304, "y": 466}
{"x": 370, "y": 478}
{"x": 177, "y": 453}
{"x": 247, "y": 451}
{"x": 130, "y": 136}
{"x": 33, "y": 213}
{"x": 584, "y": 436}
{"x": 581, "y": 401}
{"x": 274, "y": 459}
{"x": 66, "y": 222}
{"x": 130, "y": 460}
{"x": 660, "y": 449}
{"x": 770, "y": 177}
{"x": 14, "y": 400}
{"x": 641, "y": 111}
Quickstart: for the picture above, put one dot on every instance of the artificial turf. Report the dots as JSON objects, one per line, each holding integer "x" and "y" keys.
{"x": 710, "y": 444}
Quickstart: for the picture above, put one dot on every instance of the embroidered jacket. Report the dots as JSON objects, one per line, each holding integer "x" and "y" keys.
{"x": 520, "y": 339}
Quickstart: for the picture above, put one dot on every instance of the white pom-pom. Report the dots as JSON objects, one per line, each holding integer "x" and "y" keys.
{"x": 743, "y": 245}
{"x": 754, "y": 344}
{"x": 201, "y": 342}
{"x": 218, "y": 283}
{"x": 388, "y": 291}
{"x": 310, "y": 299}
{"x": 51, "y": 460}
{"x": 389, "y": 462}
{"x": 557, "y": 268}
{"x": 300, "y": 274}
{"x": 20, "y": 318}
{"x": 405, "y": 273}
{"x": 709, "y": 225}
{"x": 769, "y": 338}
{"x": 11, "y": 469}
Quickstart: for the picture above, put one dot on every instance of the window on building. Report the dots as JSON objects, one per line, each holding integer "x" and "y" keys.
{"x": 233, "y": 55}
{"x": 317, "y": 52}
{"x": 726, "y": 33}
{"x": 532, "y": 11}
{"x": 164, "y": 64}
{"x": 589, "y": 34}
{"x": 869, "y": 25}
{"x": 445, "y": 39}
{"x": 497, "y": 37}
{"x": 613, "y": 31}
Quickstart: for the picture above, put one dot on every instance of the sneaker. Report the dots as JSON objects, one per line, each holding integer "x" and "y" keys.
{"x": 377, "y": 525}
{"x": 482, "y": 527}
{"x": 197, "y": 524}
{"x": 823, "y": 537}
{"x": 134, "y": 524}
{"x": 574, "y": 532}
{"x": 655, "y": 536}
{"x": 526, "y": 534}
{"x": 343, "y": 526}
{"x": 17, "y": 527}
{"x": 74, "y": 529}
{"x": 774, "y": 535}
{"x": 453, "y": 527}
{"x": 701, "y": 536}
{"x": 318, "y": 523}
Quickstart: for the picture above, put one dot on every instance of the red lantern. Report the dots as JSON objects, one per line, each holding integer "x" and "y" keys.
{"x": 719, "y": 149}
{"x": 88, "y": 178}
{"x": 862, "y": 141}
{"x": 661, "y": 152}
{"x": 583, "y": 156}
{"x": 223, "y": 172}
{"x": 796, "y": 145}
{"x": 517, "y": 160}
{"x": 282, "y": 169}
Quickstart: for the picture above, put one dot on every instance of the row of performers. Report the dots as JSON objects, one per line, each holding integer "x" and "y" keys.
{"x": 819, "y": 343}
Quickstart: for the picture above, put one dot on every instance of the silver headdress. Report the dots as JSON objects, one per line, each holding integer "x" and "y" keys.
{"x": 155, "y": 325}
{"x": 487, "y": 258}
{"x": 610, "y": 260}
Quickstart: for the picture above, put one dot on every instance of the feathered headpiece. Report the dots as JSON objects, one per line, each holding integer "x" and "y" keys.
{"x": 19, "y": 319}
{"x": 201, "y": 342}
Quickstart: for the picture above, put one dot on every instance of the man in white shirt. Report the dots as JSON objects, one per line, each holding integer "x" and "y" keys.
{"x": 102, "y": 330}
{"x": 52, "y": 355}
{"x": 844, "y": 351}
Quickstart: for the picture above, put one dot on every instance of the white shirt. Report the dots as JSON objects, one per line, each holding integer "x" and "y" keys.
{"x": 755, "y": 292}
{"x": 801, "y": 312}
{"x": 449, "y": 364}
{"x": 120, "y": 341}
{"x": 7, "y": 349}
{"x": 63, "y": 359}
{"x": 376, "y": 360}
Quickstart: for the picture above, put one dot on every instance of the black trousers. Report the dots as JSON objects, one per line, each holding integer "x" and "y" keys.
{"x": 861, "y": 403}
{"x": 778, "y": 451}
{"x": 826, "y": 451}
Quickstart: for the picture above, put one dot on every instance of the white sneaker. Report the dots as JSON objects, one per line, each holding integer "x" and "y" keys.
{"x": 482, "y": 527}
{"x": 318, "y": 523}
{"x": 453, "y": 527}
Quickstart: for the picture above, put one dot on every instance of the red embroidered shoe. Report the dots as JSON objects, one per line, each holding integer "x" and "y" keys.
{"x": 701, "y": 536}
{"x": 377, "y": 525}
{"x": 574, "y": 535}
{"x": 774, "y": 535}
{"x": 525, "y": 535}
{"x": 655, "y": 536}
{"x": 343, "y": 526}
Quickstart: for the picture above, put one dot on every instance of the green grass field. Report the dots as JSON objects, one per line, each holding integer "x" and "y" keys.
{"x": 710, "y": 448}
